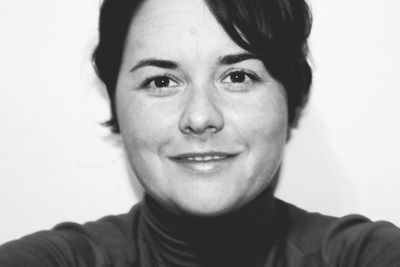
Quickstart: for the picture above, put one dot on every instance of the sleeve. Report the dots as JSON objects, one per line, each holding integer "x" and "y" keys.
{"x": 356, "y": 241}
{"x": 55, "y": 248}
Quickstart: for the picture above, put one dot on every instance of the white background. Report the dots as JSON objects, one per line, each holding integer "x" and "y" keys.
{"x": 57, "y": 163}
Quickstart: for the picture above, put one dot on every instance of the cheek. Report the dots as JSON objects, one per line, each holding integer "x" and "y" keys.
{"x": 143, "y": 134}
{"x": 265, "y": 119}
{"x": 267, "y": 141}
{"x": 133, "y": 126}
{"x": 141, "y": 124}
{"x": 264, "y": 129}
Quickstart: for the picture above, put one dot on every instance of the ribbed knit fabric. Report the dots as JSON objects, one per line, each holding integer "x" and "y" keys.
{"x": 267, "y": 232}
{"x": 237, "y": 239}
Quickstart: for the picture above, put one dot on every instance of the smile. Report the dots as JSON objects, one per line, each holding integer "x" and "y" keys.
{"x": 208, "y": 156}
{"x": 204, "y": 159}
{"x": 204, "y": 162}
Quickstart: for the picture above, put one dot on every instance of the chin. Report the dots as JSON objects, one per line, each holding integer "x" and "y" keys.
{"x": 207, "y": 203}
{"x": 205, "y": 210}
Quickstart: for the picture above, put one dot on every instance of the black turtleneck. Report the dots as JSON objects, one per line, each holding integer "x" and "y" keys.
{"x": 267, "y": 232}
{"x": 240, "y": 238}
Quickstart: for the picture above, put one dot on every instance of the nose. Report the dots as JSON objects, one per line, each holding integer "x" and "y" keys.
{"x": 201, "y": 115}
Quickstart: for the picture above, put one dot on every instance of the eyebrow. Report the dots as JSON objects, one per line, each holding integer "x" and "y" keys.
{"x": 161, "y": 63}
{"x": 168, "y": 64}
{"x": 236, "y": 58}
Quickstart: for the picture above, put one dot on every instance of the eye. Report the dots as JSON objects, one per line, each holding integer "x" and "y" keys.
{"x": 239, "y": 80}
{"x": 239, "y": 76}
{"x": 158, "y": 82}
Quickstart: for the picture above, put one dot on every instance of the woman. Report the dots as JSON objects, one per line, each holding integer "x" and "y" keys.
{"x": 204, "y": 94}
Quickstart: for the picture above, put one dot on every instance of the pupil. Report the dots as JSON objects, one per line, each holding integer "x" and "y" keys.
{"x": 238, "y": 77}
{"x": 162, "y": 82}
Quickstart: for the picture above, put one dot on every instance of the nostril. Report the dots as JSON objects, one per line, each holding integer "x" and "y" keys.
{"x": 199, "y": 131}
{"x": 201, "y": 113}
{"x": 200, "y": 121}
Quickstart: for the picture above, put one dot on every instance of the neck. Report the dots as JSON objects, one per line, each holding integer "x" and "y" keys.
{"x": 226, "y": 240}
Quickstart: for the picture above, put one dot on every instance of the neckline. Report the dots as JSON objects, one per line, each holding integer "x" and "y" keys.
{"x": 194, "y": 241}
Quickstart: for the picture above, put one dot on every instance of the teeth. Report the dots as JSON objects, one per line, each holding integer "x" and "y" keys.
{"x": 206, "y": 158}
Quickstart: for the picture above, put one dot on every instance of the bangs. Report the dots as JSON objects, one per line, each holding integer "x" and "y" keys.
{"x": 276, "y": 30}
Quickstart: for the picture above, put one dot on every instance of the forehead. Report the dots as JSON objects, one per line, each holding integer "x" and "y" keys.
{"x": 168, "y": 10}
{"x": 181, "y": 27}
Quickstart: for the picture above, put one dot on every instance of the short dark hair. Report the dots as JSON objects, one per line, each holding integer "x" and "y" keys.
{"x": 275, "y": 30}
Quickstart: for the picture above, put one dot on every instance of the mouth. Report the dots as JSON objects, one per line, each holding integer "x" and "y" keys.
{"x": 203, "y": 157}
{"x": 204, "y": 163}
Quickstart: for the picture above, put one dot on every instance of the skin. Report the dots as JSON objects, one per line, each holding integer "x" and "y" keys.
{"x": 203, "y": 101}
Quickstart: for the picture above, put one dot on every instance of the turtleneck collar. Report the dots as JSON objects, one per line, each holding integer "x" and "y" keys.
{"x": 232, "y": 239}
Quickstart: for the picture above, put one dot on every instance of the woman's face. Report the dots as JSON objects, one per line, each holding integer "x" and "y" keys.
{"x": 203, "y": 123}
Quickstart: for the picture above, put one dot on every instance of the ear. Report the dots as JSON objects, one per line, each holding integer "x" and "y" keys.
{"x": 115, "y": 139}
{"x": 289, "y": 130}
{"x": 275, "y": 179}
{"x": 288, "y": 133}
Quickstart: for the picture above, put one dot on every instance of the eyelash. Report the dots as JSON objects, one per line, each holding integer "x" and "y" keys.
{"x": 146, "y": 83}
{"x": 251, "y": 75}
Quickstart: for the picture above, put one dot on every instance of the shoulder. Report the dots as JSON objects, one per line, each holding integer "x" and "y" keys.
{"x": 351, "y": 240}
{"x": 113, "y": 237}
{"x": 103, "y": 243}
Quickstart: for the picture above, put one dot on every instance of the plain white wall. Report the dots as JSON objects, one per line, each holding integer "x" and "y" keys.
{"x": 57, "y": 163}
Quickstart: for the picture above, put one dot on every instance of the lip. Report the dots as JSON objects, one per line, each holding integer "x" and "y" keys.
{"x": 204, "y": 163}
{"x": 184, "y": 156}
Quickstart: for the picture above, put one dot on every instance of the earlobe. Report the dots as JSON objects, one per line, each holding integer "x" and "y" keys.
{"x": 115, "y": 139}
{"x": 288, "y": 133}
